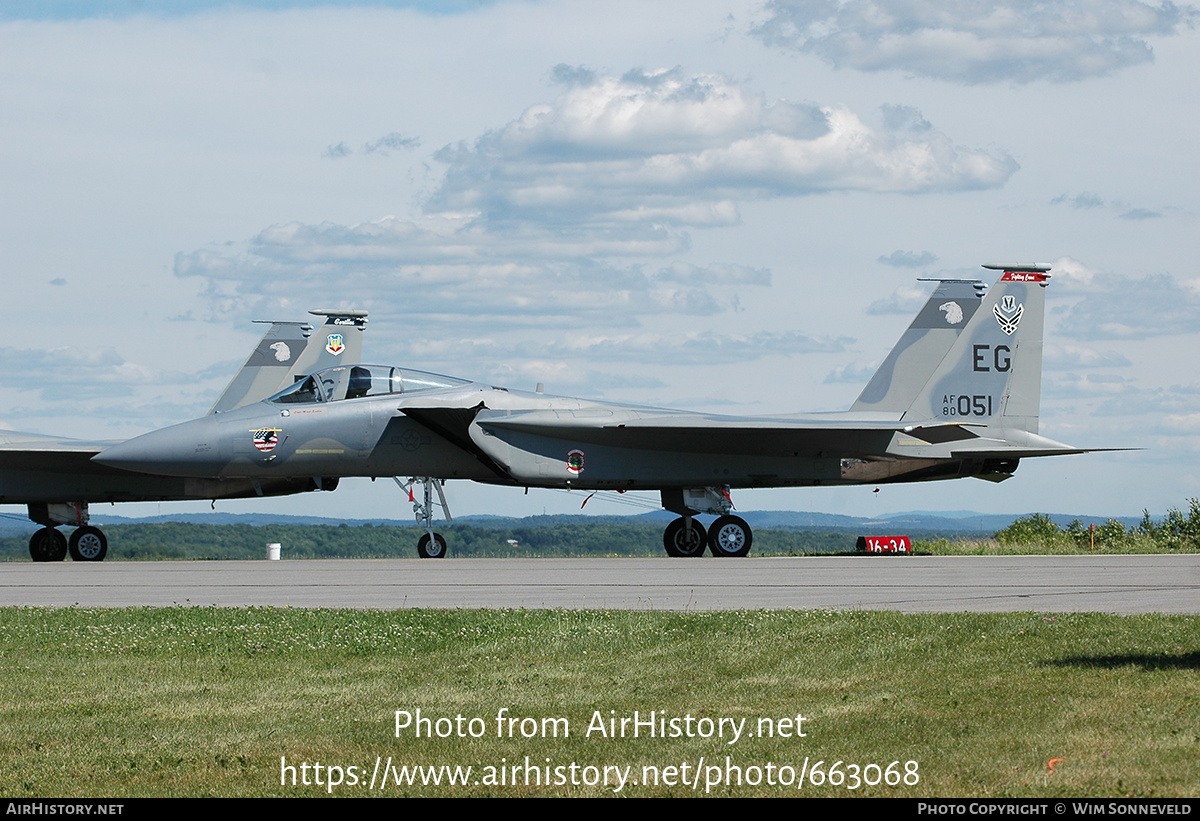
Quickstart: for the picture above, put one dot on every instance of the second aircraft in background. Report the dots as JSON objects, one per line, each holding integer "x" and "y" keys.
{"x": 57, "y": 479}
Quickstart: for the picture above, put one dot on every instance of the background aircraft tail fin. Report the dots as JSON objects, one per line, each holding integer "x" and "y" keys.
{"x": 291, "y": 349}
{"x": 338, "y": 341}
{"x": 922, "y": 348}
{"x": 992, "y": 374}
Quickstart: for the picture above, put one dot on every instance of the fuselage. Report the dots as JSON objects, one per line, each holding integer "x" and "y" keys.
{"x": 469, "y": 430}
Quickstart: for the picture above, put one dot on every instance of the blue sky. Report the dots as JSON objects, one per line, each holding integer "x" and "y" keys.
{"x": 711, "y": 205}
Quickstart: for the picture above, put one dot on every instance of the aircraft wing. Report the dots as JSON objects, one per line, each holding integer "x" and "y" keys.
{"x": 820, "y": 435}
{"x": 37, "y": 468}
{"x": 849, "y": 435}
{"x": 15, "y": 439}
{"x": 21, "y": 450}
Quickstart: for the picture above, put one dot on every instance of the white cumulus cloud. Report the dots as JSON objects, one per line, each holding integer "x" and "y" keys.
{"x": 976, "y": 41}
{"x": 582, "y": 206}
{"x": 667, "y": 140}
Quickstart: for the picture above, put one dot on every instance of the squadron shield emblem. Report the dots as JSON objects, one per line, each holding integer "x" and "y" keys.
{"x": 575, "y": 462}
{"x": 1008, "y": 314}
{"x": 335, "y": 344}
{"x": 265, "y": 439}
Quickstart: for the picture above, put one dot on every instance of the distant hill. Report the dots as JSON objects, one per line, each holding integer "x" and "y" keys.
{"x": 958, "y": 522}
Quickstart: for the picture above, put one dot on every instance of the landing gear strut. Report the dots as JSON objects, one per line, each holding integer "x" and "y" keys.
{"x": 431, "y": 545}
{"x": 728, "y": 536}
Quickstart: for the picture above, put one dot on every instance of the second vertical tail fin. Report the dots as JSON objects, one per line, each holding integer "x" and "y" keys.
{"x": 291, "y": 349}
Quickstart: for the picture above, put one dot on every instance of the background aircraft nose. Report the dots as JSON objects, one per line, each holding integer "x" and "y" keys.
{"x": 190, "y": 449}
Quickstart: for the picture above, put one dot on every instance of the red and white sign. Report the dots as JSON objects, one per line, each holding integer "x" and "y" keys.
{"x": 1024, "y": 276}
{"x": 883, "y": 544}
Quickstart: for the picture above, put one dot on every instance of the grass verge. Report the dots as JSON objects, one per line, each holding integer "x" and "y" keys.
{"x": 1042, "y": 547}
{"x": 197, "y": 702}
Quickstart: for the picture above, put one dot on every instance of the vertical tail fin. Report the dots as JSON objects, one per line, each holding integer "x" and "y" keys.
{"x": 291, "y": 349}
{"x": 992, "y": 374}
{"x": 921, "y": 349}
{"x": 337, "y": 342}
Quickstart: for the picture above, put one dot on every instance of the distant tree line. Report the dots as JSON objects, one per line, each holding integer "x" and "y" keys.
{"x": 1177, "y": 531}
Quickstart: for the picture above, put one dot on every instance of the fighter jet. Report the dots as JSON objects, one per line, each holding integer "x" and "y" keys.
{"x": 57, "y": 479}
{"x": 958, "y": 396}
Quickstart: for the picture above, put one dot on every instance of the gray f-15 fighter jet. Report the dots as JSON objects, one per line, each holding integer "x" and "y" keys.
{"x": 958, "y": 396}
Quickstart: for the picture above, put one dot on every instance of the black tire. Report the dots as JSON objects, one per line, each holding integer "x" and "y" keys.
{"x": 680, "y": 542}
{"x": 730, "y": 536}
{"x": 431, "y": 548}
{"x": 88, "y": 544}
{"x": 47, "y": 545}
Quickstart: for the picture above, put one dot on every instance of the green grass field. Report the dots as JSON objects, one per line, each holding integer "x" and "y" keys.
{"x": 196, "y": 701}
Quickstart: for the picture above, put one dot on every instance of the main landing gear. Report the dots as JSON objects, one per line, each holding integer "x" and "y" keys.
{"x": 686, "y": 537}
{"x": 87, "y": 543}
{"x": 431, "y": 545}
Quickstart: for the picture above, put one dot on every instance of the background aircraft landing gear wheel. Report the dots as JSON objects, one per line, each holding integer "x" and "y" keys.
{"x": 729, "y": 536}
{"x": 434, "y": 548}
{"x": 47, "y": 545}
{"x": 681, "y": 541}
{"x": 88, "y": 544}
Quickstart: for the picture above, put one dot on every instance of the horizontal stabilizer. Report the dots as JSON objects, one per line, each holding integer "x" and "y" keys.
{"x": 1022, "y": 453}
{"x": 940, "y": 434}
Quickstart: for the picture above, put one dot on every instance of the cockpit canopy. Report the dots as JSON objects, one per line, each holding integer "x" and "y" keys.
{"x": 357, "y": 381}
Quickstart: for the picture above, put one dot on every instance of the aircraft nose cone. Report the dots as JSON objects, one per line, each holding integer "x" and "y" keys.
{"x": 190, "y": 449}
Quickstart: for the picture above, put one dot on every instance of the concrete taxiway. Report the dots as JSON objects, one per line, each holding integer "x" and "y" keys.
{"x": 1112, "y": 584}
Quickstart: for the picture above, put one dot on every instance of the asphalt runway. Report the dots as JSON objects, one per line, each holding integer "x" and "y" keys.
{"x": 1110, "y": 584}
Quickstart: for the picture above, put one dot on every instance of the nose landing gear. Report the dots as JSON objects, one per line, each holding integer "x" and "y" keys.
{"x": 431, "y": 545}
